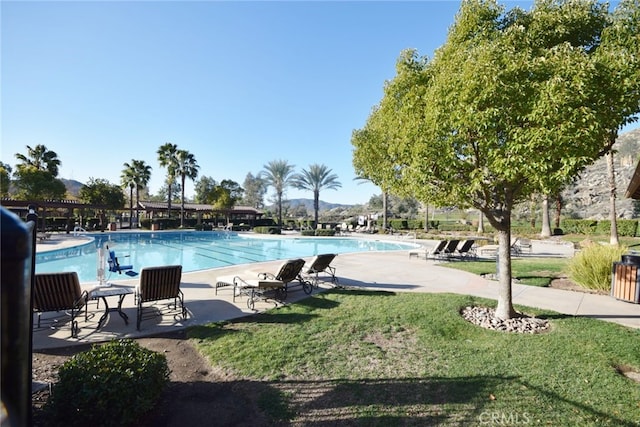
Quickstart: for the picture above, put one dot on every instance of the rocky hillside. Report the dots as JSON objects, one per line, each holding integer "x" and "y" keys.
{"x": 588, "y": 197}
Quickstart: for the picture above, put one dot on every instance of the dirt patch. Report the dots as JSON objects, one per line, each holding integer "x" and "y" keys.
{"x": 197, "y": 395}
{"x": 568, "y": 285}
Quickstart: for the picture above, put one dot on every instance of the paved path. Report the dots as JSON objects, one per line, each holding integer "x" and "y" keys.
{"x": 389, "y": 271}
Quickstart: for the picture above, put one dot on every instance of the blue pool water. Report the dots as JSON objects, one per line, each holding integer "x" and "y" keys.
{"x": 196, "y": 251}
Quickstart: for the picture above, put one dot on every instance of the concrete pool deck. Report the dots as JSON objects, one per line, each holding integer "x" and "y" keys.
{"x": 384, "y": 271}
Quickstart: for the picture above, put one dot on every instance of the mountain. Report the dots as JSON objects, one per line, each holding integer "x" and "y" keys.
{"x": 588, "y": 196}
{"x": 308, "y": 204}
{"x": 73, "y": 186}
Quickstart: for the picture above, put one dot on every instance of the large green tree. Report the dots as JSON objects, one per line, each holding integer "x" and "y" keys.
{"x": 279, "y": 175}
{"x": 186, "y": 166}
{"x": 5, "y": 179}
{"x": 254, "y": 191}
{"x": 205, "y": 190}
{"x": 105, "y": 195}
{"x": 315, "y": 179}
{"x": 509, "y": 106}
{"x": 167, "y": 157}
{"x": 228, "y": 193}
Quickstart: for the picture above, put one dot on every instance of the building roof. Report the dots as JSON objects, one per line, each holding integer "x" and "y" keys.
{"x": 50, "y": 204}
{"x": 633, "y": 191}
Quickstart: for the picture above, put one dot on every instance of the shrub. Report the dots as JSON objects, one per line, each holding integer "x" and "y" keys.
{"x": 267, "y": 230}
{"x": 325, "y": 232}
{"x": 205, "y": 226}
{"x": 627, "y": 227}
{"x": 591, "y": 267}
{"x": 308, "y": 233}
{"x": 579, "y": 226}
{"x": 109, "y": 385}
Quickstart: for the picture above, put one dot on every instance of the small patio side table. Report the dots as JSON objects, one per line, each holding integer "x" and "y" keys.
{"x": 104, "y": 293}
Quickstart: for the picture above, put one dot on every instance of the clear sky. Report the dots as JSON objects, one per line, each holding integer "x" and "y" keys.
{"x": 237, "y": 84}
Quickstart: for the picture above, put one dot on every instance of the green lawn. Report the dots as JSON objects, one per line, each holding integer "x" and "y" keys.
{"x": 528, "y": 271}
{"x": 351, "y": 357}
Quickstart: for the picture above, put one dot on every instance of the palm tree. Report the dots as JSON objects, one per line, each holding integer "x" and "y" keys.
{"x": 41, "y": 159}
{"x": 279, "y": 175}
{"x": 167, "y": 158}
{"x": 143, "y": 172}
{"x": 186, "y": 167}
{"x": 316, "y": 178}
{"x": 128, "y": 179}
{"x": 135, "y": 175}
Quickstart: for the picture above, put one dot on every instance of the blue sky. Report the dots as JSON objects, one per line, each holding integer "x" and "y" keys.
{"x": 237, "y": 84}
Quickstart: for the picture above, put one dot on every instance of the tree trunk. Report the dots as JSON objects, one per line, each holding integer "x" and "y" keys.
{"x": 426, "y": 217}
{"x": 384, "y": 210}
{"x": 532, "y": 211}
{"x": 169, "y": 199}
{"x": 505, "y": 309}
{"x": 546, "y": 222}
{"x": 480, "y": 222}
{"x": 558, "y": 209}
{"x": 137, "y": 205}
{"x": 130, "y": 205}
{"x": 612, "y": 196}
{"x": 182, "y": 203}
{"x": 316, "y": 208}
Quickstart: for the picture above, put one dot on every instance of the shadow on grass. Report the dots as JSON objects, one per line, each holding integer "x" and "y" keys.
{"x": 385, "y": 402}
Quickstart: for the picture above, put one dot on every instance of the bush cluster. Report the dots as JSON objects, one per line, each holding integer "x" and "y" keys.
{"x": 110, "y": 385}
{"x": 591, "y": 267}
{"x": 319, "y": 232}
{"x": 272, "y": 229}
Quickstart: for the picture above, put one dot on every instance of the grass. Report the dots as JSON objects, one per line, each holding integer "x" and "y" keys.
{"x": 529, "y": 271}
{"x": 396, "y": 359}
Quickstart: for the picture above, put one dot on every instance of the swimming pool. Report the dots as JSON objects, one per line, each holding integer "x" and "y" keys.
{"x": 197, "y": 250}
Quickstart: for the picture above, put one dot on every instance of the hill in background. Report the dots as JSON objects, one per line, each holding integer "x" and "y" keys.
{"x": 588, "y": 196}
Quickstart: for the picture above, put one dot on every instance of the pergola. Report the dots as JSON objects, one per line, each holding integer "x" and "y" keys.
{"x": 245, "y": 214}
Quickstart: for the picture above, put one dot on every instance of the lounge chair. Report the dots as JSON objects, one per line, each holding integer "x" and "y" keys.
{"x": 255, "y": 287}
{"x": 450, "y": 248}
{"x": 466, "y": 249}
{"x": 60, "y": 292}
{"x": 438, "y": 250}
{"x": 321, "y": 264}
{"x": 492, "y": 250}
{"x": 157, "y": 284}
{"x": 521, "y": 245}
{"x": 116, "y": 267}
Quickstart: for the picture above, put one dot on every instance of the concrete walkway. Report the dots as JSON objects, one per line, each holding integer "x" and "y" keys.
{"x": 388, "y": 271}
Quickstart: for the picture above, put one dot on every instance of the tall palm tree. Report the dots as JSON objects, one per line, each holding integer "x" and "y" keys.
{"x": 128, "y": 179}
{"x": 41, "y": 159}
{"x": 167, "y": 158}
{"x": 135, "y": 175}
{"x": 143, "y": 172}
{"x": 316, "y": 178}
{"x": 279, "y": 175}
{"x": 186, "y": 167}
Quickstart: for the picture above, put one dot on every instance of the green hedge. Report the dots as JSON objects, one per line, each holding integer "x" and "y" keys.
{"x": 267, "y": 230}
{"x": 204, "y": 227}
{"x": 319, "y": 232}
